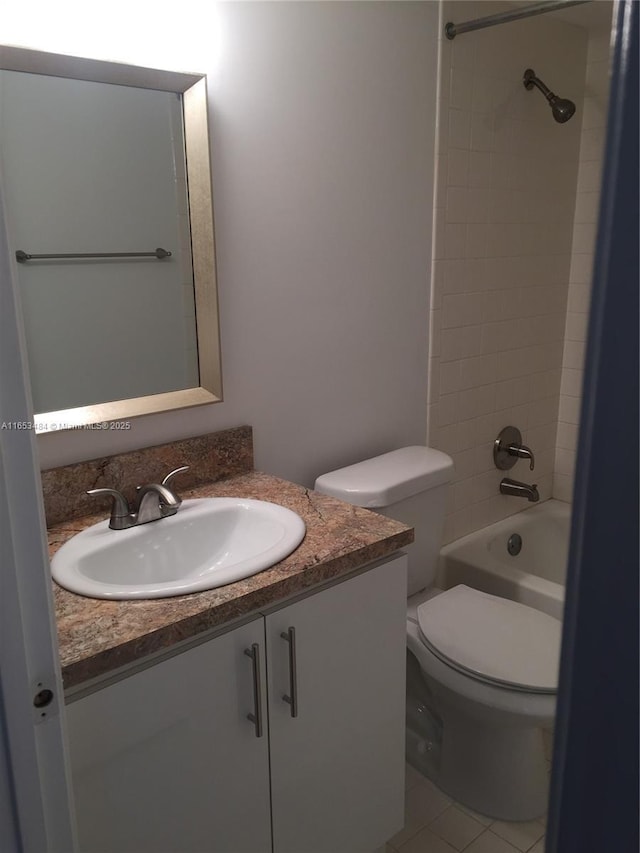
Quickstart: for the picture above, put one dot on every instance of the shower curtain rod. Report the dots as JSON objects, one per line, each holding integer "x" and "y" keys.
{"x": 451, "y": 30}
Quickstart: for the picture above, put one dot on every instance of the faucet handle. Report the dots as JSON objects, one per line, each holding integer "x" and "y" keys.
{"x": 168, "y": 478}
{"x": 119, "y": 508}
{"x": 172, "y": 474}
{"x": 522, "y": 452}
{"x": 508, "y": 448}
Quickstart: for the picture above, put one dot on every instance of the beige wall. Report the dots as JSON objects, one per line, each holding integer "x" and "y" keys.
{"x": 322, "y": 156}
{"x": 594, "y": 118}
{"x": 505, "y": 198}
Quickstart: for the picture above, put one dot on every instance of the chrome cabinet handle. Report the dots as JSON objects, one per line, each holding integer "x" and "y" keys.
{"x": 256, "y": 717}
{"x": 290, "y": 636}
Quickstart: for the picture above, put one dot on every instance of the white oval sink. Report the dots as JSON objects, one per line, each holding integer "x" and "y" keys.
{"x": 208, "y": 543}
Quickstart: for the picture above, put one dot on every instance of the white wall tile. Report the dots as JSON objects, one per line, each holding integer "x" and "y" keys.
{"x": 587, "y": 207}
{"x": 592, "y": 143}
{"x": 455, "y": 272}
{"x": 598, "y": 78}
{"x": 467, "y": 434}
{"x": 477, "y": 371}
{"x": 450, "y": 377}
{"x": 563, "y": 487}
{"x": 599, "y": 48}
{"x": 573, "y": 354}
{"x": 461, "y": 88}
{"x": 464, "y": 464}
{"x": 479, "y": 174}
{"x": 590, "y": 175}
{"x": 457, "y": 204}
{"x": 581, "y": 269}
{"x": 594, "y": 112}
{"x": 448, "y": 409}
{"x": 476, "y": 241}
{"x": 542, "y": 437}
{"x": 579, "y": 298}
{"x": 520, "y": 207}
{"x": 477, "y": 205}
{"x": 459, "y": 128}
{"x": 458, "y": 167}
{"x": 567, "y": 436}
{"x": 565, "y": 461}
{"x": 587, "y": 202}
{"x": 461, "y": 309}
{"x": 462, "y": 53}
{"x": 571, "y": 384}
{"x": 481, "y": 132}
{"x": 441, "y": 173}
{"x": 436, "y": 332}
{"x": 435, "y": 380}
{"x": 569, "y": 410}
{"x": 455, "y": 239}
{"x": 460, "y": 343}
{"x": 576, "y": 326}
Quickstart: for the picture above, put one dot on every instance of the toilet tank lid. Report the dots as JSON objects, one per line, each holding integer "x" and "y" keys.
{"x": 387, "y": 479}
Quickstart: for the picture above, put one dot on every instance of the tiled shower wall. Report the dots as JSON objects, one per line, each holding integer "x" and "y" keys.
{"x": 594, "y": 119}
{"x": 505, "y": 198}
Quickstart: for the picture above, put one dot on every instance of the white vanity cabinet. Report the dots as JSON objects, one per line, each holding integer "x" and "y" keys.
{"x": 167, "y": 760}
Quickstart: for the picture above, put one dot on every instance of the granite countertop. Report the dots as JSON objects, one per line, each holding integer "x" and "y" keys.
{"x": 97, "y": 636}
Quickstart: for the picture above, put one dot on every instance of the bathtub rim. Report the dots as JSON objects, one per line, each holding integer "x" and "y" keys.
{"x": 466, "y": 555}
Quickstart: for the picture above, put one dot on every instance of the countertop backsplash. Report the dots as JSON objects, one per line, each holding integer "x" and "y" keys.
{"x": 212, "y": 457}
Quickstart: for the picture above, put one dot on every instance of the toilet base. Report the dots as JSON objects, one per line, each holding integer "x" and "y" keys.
{"x": 502, "y": 775}
{"x": 494, "y": 768}
{"x": 500, "y": 772}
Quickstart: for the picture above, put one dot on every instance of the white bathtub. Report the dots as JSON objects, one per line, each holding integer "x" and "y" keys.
{"x": 535, "y": 576}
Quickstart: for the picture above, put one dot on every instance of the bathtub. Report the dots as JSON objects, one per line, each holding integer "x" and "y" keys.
{"x": 535, "y": 576}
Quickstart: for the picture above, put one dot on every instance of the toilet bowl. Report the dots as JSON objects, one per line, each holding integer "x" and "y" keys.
{"x": 482, "y": 670}
{"x": 493, "y": 700}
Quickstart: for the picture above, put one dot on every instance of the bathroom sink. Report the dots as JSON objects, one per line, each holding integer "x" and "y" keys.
{"x": 208, "y": 543}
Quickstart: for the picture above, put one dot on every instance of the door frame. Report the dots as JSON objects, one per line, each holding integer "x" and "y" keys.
{"x": 594, "y": 788}
{"x": 38, "y": 813}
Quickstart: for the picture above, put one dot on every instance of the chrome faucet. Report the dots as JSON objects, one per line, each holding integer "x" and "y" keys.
{"x": 521, "y": 490}
{"x": 154, "y": 501}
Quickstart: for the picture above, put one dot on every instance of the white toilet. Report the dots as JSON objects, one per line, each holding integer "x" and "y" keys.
{"x": 482, "y": 671}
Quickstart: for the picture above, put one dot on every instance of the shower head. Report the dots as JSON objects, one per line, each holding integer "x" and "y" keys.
{"x": 562, "y": 108}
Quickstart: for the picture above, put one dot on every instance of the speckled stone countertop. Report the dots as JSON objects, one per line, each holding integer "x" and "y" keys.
{"x": 98, "y": 636}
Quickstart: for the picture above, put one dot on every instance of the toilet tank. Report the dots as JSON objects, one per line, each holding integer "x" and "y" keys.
{"x": 409, "y": 485}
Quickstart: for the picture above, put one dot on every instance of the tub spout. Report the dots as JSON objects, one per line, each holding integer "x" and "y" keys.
{"x": 521, "y": 490}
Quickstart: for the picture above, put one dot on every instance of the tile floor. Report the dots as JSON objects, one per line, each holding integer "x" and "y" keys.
{"x": 434, "y": 823}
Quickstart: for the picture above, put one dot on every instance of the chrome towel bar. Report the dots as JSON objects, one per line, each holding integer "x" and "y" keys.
{"x": 22, "y": 256}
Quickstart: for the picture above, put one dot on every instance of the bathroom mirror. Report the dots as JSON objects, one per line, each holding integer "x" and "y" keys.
{"x": 107, "y": 187}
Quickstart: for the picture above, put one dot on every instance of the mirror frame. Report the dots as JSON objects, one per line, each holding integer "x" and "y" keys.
{"x": 193, "y": 88}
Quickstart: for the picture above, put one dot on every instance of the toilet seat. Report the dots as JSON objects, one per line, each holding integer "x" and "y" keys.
{"x": 493, "y": 640}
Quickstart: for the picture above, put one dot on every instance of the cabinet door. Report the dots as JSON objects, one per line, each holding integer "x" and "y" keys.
{"x": 166, "y": 759}
{"x": 337, "y": 768}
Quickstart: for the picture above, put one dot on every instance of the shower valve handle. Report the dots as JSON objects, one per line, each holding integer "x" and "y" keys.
{"x": 508, "y": 448}
{"x": 522, "y": 452}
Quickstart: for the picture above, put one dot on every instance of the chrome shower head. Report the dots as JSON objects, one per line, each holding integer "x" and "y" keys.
{"x": 562, "y": 108}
